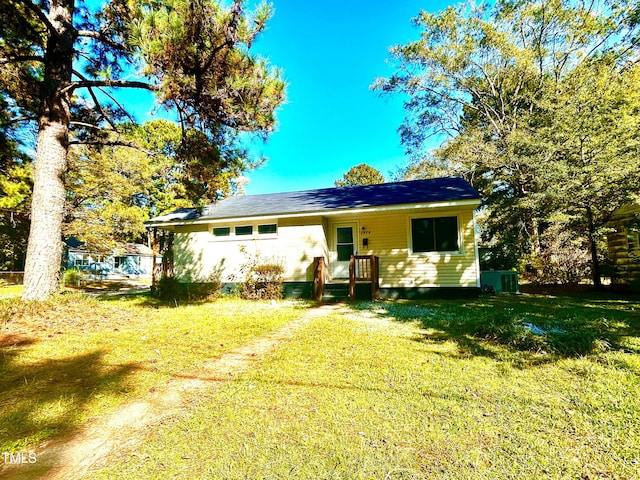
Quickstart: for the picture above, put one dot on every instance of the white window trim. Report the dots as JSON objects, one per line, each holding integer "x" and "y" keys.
{"x": 220, "y": 238}
{"x": 82, "y": 260}
{"x": 265, "y": 235}
{"x": 437, "y": 253}
{"x": 232, "y": 237}
{"x": 245, "y": 235}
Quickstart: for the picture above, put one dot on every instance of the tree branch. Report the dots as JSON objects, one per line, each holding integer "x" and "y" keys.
{"x": 21, "y": 58}
{"x": 113, "y": 143}
{"x": 122, "y": 109}
{"x": 99, "y": 106}
{"x": 110, "y": 83}
{"x": 42, "y": 16}
{"x": 97, "y": 103}
{"x": 85, "y": 125}
{"x": 101, "y": 38}
{"x": 23, "y": 119}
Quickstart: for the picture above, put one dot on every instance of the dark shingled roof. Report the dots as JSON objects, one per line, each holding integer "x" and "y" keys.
{"x": 330, "y": 199}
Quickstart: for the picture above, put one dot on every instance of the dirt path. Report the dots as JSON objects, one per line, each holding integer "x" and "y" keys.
{"x": 74, "y": 458}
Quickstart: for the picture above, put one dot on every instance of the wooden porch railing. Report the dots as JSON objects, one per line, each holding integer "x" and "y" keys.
{"x": 364, "y": 268}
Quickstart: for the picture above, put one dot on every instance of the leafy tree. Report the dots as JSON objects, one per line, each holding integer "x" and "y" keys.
{"x": 495, "y": 81}
{"x": 63, "y": 65}
{"x": 113, "y": 190}
{"x": 16, "y": 183}
{"x": 594, "y": 120}
{"x": 362, "y": 174}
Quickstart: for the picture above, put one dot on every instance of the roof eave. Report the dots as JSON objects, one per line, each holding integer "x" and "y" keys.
{"x": 474, "y": 202}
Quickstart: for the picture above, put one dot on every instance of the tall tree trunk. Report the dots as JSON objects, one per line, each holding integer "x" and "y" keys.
{"x": 44, "y": 251}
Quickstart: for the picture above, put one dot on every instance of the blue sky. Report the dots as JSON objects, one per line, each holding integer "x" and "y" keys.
{"x": 331, "y": 52}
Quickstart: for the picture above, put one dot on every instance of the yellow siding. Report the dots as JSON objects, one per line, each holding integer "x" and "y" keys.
{"x": 299, "y": 240}
{"x": 389, "y": 237}
{"x": 199, "y": 254}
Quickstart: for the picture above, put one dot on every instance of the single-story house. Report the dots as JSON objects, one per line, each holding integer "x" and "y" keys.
{"x": 623, "y": 243}
{"x": 422, "y": 233}
{"x": 131, "y": 259}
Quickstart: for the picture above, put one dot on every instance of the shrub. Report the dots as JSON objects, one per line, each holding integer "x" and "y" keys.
{"x": 260, "y": 278}
{"x": 169, "y": 288}
{"x": 209, "y": 290}
{"x": 564, "y": 259}
{"x": 72, "y": 277}
{"x": 263, "y": 281}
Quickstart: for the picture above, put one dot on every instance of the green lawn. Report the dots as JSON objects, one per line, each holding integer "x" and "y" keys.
{"x": 446, "y": 389}
{"x": 74, "y": 358}
{"x": 10, "y": 291}
{"x": 439, "y": 389}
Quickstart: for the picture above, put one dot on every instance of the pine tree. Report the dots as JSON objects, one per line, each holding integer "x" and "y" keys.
{"x": 63, "y": 66}
{"x": 362, "y": 174}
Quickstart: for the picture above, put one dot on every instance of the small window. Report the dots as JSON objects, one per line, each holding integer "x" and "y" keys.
{"x": 244, "y": 230}
{"x": 82, "y": 260}
{"x": 222, "y": 231}
{"x": 269, "y": 229}
{"x": 439, "y": 234}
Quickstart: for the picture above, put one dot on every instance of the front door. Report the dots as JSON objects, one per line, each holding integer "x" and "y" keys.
{"x": 345, "y": 244}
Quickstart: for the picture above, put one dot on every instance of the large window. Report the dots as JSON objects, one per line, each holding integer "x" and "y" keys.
{"x": 437, "y": 234}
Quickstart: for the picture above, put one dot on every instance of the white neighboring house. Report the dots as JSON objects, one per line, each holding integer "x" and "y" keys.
{"x": 130, "y": 260}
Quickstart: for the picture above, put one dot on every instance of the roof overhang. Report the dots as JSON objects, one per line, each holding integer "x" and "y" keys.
{"x": 168, "y": 224}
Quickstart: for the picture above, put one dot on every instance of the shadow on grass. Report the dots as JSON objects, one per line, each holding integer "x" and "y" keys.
{"x": 48, "y": 399}
{"x": 538, "y": 328}
{"x": 147, "y": 299}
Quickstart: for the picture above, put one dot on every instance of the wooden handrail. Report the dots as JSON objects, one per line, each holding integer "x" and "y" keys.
{"x": 318, "y": 278}
{"x": 364, "y": 268}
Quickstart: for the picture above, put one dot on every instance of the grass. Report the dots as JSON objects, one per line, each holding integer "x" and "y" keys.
{"x": 10, "y": 291}
{"x": 92, "y": 286}
{"x": 411, "y": 390}
{"x": 71, "y": 359}
{"x": 421, "y": 390}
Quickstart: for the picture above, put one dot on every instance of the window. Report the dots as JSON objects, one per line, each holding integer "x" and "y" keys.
{"x": 269, "y": 229}
{"x": 244, "y": 230}
{"x": 221, "y": 231}
{"x": 438, "y": 234}
{"x": 119, "y": 262}
{"x": 82, "y": 260}
{"x": 344, "y": 243}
